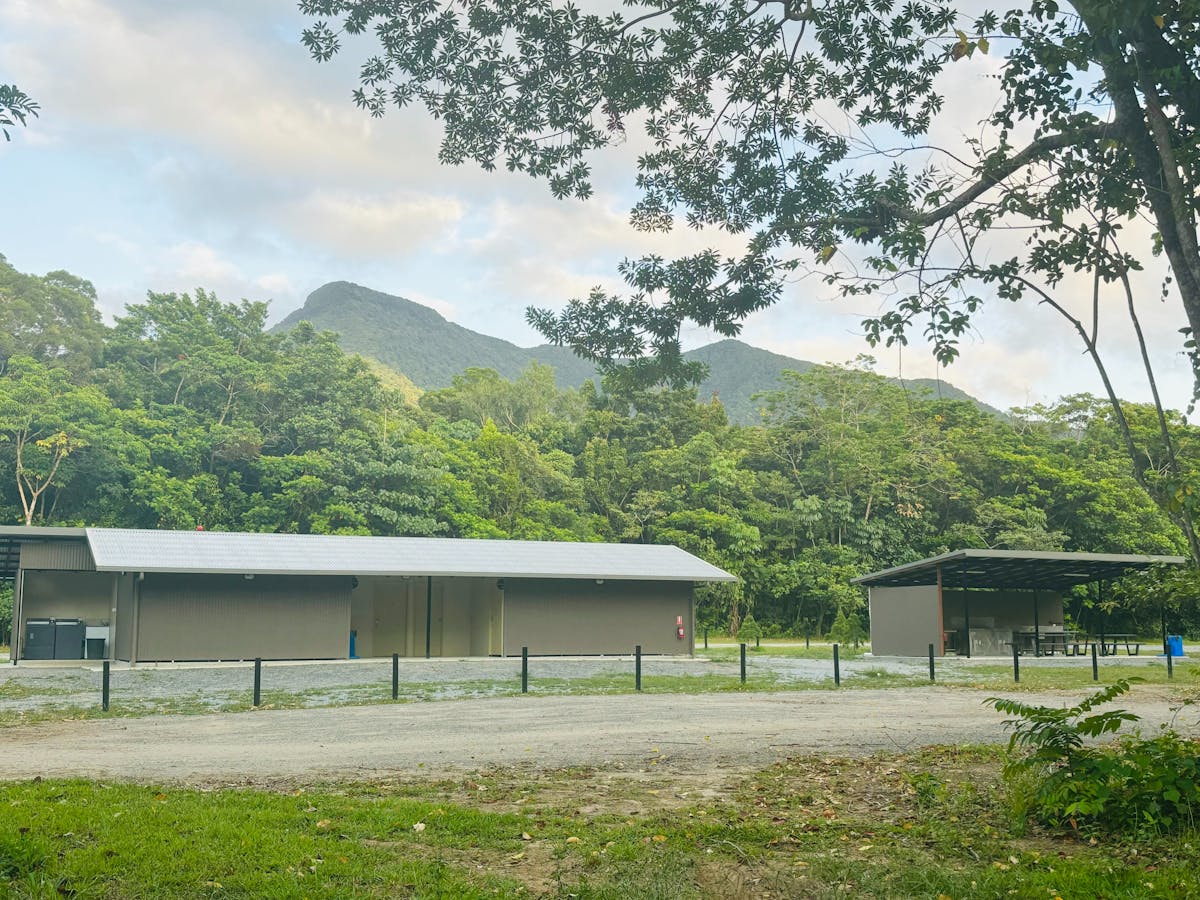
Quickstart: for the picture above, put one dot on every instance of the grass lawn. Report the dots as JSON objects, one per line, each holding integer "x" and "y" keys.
{"x": 932, "y": 824}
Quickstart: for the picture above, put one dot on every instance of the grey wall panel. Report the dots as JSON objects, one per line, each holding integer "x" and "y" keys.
{"x": 185, "y": 617}
{"x": 904, "y": 620}
{"x": 68, "y": 595}
{"x": 123, "y": 637}
{"x": 72, "y": 556}
{"x": 582, "y": 617}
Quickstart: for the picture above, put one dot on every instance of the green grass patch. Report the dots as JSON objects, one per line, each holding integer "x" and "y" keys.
{"x": 917, "y": 825}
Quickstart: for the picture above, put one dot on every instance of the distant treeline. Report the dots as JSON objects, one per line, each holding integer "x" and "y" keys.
{"x": 187, "y": 412}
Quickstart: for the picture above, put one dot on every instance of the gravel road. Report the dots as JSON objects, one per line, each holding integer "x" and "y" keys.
{"x": 667, "y": 732}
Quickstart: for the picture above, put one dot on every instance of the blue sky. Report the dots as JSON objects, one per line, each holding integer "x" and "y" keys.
{"x": 186, "y": 145}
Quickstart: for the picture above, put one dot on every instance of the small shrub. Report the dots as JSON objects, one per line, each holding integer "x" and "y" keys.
{"x": 751, "y": 631}
{"x": 1134, "y": 785}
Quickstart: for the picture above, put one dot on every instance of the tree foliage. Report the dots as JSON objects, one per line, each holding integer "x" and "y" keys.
{"x": 805, "y": 127}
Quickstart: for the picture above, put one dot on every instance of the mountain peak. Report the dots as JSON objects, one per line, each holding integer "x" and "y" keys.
{"x": 430, "y": 350}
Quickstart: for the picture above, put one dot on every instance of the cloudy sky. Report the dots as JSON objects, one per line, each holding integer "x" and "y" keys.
{"x": 185, "y": 145}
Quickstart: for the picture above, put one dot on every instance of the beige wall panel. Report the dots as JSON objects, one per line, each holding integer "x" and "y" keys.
{"x": 582, "y": 617}
{"x": 362, "y": 617}
{"x": 228, "y": 617}
{"x": 68, "y": 595}
{"x": 71, "y": 556}
{"x": 904, "y": 620}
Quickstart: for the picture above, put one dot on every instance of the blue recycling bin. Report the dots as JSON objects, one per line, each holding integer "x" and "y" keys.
{"x": 353, "y": 644}
{"x": 1175, "y": 644}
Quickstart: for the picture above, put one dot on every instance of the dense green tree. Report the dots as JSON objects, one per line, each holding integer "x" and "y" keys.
{"x": 52, "y": 319}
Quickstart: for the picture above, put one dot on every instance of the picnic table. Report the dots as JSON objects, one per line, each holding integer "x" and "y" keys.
{"x": 1107, "y": 644}
{"x": 1048, "y": 643}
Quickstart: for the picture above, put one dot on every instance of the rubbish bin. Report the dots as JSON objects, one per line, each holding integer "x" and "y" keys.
{"x": 95, "y": 647}
{"x": 1175, "y": 644}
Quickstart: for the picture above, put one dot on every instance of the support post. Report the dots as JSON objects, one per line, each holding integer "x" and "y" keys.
{"x": 1095, "y": 664}
{"x": 931, "y": 672}
{"x": 104, "y": 687}
{"x": 1037, "y": 633}
{"x": 637, "y": 667}
{"x": 524, "y": 670}
{"x": 837, "y": 667}
{"x": 257, "y": 681}
{"x": 743, "y": 656}
{"x": 428, "y": 614}
{"x": 395, "y": 676}
{"x": 1016, "y": 662}
{"x": 967, "y": 619}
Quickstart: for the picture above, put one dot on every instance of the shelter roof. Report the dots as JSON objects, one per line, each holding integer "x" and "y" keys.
{"x": 133, "y": 550}
{"x": 1020, "y": 569}
{"x": 12, "y": 536}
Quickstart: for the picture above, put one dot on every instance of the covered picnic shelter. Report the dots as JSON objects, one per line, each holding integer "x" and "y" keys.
{"x": 982, "y": 602}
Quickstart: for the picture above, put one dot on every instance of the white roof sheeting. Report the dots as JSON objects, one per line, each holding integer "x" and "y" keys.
{"x": 137, "y": 550}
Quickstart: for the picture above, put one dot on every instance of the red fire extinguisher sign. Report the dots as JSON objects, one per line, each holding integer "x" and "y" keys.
{"x": 679, "y": 627}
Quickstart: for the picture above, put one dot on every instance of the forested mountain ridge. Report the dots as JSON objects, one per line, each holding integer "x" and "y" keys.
{"x": 430, "y": 350}
{"x": 188, "y": 412}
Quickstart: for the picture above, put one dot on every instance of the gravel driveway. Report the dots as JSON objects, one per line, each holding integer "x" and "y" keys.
{"x": 662, "y": 733}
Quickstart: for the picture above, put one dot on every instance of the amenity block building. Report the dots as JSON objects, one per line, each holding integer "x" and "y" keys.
{"x": 983, "y": 602}
{"x": 145, "y": 595}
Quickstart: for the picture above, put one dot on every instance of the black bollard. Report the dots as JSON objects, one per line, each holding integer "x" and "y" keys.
{"x": 705, "y": 638}
{"x": 931, "y": 674}
{"x": 257, "y": 681}
{"x": 637, "y": 667}
{"x": 837, "y": 667}
{"x": 1016, "y": 663}
{"x": 806, "y": 637}
{"x": 1095, "y": 665}
{"x": 743, "y": 650}
{"x": 1170, "y": 665}
{"x": 395, "y": 676}
{"x": 104, "y": 688}
{"x": 524, "y": 670}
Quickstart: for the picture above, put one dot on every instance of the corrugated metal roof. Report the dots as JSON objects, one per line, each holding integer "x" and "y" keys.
{"x": 133, "y": 550}
{"x": 1015, "y": 569}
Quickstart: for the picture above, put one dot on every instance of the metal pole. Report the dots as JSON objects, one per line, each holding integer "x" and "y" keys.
{"x": 1170, "y": 665}
{"x": 1016, "y": 662}
{"x": 1037, "y": 634}
{"x": 743, "y": 652}
{"x": 104, "y": 688}
{"x": 837, "y": 667}
{"x": 706, "y": 638}
{"x": 257, "y": 681}
{"x": 1162, "y": 618}
{"x": 1095, "y": 664}
{"x": 806, "y": 637}
{"x": 428, "y": 614}
{"x": 637, "y": 667}
{"x": 967, "y": 618}
{"x": 524, "y": 670}
{"x": 931, "y": 675}
{"x": 395, "y": 676}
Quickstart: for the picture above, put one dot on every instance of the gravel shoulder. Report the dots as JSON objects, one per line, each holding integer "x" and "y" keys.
{"x": 679, "y": 733}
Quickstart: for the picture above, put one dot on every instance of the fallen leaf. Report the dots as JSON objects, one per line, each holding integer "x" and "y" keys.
{"x": 420, "y": 826}
{"x": 572, "y": 840}
{"x": 526, "y": 836}
{"x": 659, "y": 838}
{"x": 324, "y": 823}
